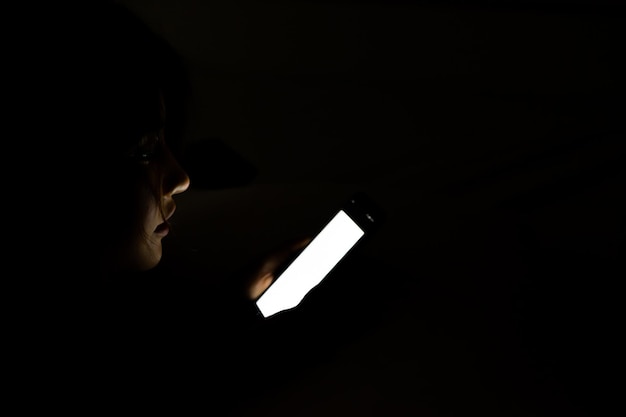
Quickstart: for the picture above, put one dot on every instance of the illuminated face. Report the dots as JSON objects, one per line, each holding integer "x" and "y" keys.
{"x": 143, "y": 248}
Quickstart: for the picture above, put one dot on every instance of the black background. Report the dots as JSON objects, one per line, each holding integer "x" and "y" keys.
{"x": 492, "y": 134}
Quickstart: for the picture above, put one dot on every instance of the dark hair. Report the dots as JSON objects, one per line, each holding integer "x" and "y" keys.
{"x": 109, "y": 81}
{"x": 123, "y": 68}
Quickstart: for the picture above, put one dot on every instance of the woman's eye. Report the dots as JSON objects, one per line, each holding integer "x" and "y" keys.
{"x": 147, "y": 149}
{"x": 145, "y": 154}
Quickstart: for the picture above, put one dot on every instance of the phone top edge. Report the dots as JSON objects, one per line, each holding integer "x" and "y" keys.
{"x": 364, "y": 211}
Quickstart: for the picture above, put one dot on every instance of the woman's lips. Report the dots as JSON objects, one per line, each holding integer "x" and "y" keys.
{"x": 163, "y": 229}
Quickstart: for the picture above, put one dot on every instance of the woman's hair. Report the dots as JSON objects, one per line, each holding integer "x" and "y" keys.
{"x": 115, "y": 85}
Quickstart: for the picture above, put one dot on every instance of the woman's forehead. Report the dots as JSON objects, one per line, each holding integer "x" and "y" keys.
{"x": 135, "y": 111}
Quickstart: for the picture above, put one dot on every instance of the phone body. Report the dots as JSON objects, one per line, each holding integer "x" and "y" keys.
{"x": 352, "y": 223}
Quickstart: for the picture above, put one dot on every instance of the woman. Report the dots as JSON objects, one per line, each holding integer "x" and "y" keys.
{"x": 111, "y": 322}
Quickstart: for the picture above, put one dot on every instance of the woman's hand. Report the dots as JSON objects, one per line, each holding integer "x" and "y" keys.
{"x": 265, "y": 274}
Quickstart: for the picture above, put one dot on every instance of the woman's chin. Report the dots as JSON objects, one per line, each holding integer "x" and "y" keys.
{"x": 148, "y": 257}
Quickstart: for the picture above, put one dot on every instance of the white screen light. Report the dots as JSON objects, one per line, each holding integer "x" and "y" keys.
{"x": 311, "y": 266}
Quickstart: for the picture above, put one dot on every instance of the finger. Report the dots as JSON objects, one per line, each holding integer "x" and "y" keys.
{"x": 260, "y": 285}
{"x": 300, "y": 244}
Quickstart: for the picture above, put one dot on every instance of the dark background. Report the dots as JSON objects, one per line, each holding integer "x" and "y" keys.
{"x": 492, "y": 133}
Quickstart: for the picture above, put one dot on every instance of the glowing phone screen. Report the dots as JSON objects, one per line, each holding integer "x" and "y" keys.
{"x": 311, "y": 266}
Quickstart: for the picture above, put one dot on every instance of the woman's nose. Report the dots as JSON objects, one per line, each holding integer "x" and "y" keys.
{"x": 183, "y": 181}
{"x": 175, "y": 180}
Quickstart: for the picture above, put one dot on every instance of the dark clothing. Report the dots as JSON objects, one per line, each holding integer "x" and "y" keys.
{"x": 159, "y": 340}
{"x": 151, "y": 341}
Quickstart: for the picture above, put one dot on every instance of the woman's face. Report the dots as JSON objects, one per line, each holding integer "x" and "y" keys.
{"x": 142, "y": 250}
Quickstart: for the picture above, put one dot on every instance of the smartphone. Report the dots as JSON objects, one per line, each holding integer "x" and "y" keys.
{"x": 355, "y": 221}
